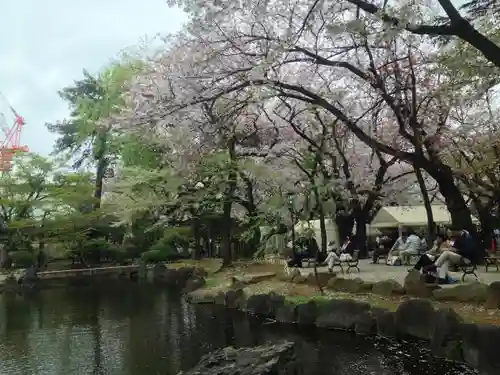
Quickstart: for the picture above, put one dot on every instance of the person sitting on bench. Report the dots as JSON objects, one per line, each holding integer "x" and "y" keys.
{"x": 440, "y": 244}
{"x": 306, "y": 247}
{"x": 411, "y": 247}
{"x": 332, "y": 256}
{"x": 463, "y": 249}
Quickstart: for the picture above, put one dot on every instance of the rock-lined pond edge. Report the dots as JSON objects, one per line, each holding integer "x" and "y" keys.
{"x": 445, "y": 332}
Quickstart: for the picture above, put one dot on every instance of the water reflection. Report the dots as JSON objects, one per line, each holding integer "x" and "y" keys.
{"x": 129, "y": 329}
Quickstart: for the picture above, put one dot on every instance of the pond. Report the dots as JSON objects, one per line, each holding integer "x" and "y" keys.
{"x": 132, "y": 329}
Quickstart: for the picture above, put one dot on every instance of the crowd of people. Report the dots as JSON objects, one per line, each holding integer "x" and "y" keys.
{"x": 450, "y": 248}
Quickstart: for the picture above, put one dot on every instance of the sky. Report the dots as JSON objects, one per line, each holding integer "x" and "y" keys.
{"x": 45, "y": 45}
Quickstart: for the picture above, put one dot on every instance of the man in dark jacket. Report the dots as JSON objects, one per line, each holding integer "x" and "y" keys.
{"x": 465, "y": 249}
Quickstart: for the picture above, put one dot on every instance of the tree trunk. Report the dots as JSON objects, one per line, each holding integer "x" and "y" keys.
{"x": 361, "y": 237}
{"x": 345, "y": 223}
{"x": 455, "y": 202}
{"x": 197, "y": 238}
{"x": 431, "y": 227}
{"x": 102, "y": 164}
{"x": 486, "y": 220}
{"x": 228, "y": 204}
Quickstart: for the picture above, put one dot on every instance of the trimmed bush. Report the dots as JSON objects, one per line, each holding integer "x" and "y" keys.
{"x": 22, "y": 259}
{"x": 154, "y": 256}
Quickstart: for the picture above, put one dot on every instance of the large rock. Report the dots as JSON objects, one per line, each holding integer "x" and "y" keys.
{"x": 388, "y": 288}
{"x": 235, "y": 299}
{"x": 193, "y": 284}
{"x": 265, "y": 304}
{"x": 287, "y": 313}
{"x": 307, "y": 313}
{"x": 366, "y": 324}
{"x": 278, "y": 359}
{"x": 341, "y": 314}
{"x": 415, "y": 285}
{"x": 299, "y": 279}
{"x": 256, "y": 277}
{"x": 445, "y": 334}
{"x": 356, "y": 285}
{"x": 415, "y": 318}
{"x": 473, "y": 292}
{"x": 479, "y": 347}
{"x": 493, "y": 296}
{"x": 323, "y": 278}
{"x": 386, "y": 324}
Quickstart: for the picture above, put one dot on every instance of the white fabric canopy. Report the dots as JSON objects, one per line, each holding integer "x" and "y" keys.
{"x": 393, "y": 217}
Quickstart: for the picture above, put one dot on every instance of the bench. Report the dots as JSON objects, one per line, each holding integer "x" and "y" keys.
{"x": 353, "y": 263}
{"x": 468, "y": 268}
{"x": 492, "y": 259}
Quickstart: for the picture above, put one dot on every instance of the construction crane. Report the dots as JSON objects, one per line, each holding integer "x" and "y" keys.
{"x": 11, "y": 142}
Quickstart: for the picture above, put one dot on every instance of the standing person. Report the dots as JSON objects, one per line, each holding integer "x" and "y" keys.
{"x": 411, "y": 247}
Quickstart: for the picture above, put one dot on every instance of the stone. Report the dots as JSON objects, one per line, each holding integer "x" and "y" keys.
{"x": 356, "y": 285}
{"x": 366, "y": 324}
{"x": 445, "y": 334}
{"x": 220, "y": 299}
{"x": 269, "y": 359}
{"x": 340, "y": 314}
{"x": 235, "y": 299}
{"x": 193, "y": 284}
{"x": 479, "y": 347}
{"x": 299, "y": 279}
{"x": 388, "y": 288}
{"x": 256, "y": 277}
{"x": 307, "y": 313}
{"x": 236, "y": 283}
{"x": 493, "y": 296}
{"x": 386, "y": 324}
{"x": 264, "y": 304}
{"x": 294, "y": 272}
{"x": 323, "y": 278}
{"x": 415, "y": 285}
{"x": 200, "y": 298}
{"x": 415, "y": 318}
{"x": 287, "y": 313}
{"x": 470, "y": 292}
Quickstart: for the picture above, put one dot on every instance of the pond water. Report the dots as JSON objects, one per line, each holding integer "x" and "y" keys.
{"x": 132, "y": 329}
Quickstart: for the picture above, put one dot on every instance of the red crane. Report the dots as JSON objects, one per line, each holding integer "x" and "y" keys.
{"x": 10, "y": 144}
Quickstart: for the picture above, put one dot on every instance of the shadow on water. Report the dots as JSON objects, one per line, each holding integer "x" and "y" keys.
{"x": 131, "y": 329}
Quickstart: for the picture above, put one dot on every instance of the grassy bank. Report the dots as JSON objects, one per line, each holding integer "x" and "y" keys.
{"x": 221, "y": 280}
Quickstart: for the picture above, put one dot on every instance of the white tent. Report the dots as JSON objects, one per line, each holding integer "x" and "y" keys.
{"x": 394, "y": 217}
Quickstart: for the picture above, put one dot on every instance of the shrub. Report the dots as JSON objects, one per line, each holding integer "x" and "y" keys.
{"x": 154, "y": 256}
{"x": 22, "y": 259}
{"x": 98, "y": 249}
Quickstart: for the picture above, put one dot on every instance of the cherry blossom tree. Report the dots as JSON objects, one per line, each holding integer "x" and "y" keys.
{"x": 360, "y": 74}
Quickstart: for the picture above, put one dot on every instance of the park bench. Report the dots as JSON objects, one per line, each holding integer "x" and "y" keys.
{"x": 352, "y": 263}
{"x": 492, "y": 259}
{"x": 468, "y": 268}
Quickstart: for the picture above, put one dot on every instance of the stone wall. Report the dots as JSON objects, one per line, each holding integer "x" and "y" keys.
{"x": 443, "y": 329}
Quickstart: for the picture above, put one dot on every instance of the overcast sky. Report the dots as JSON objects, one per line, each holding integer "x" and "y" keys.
{"x": 44, "y": 45}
